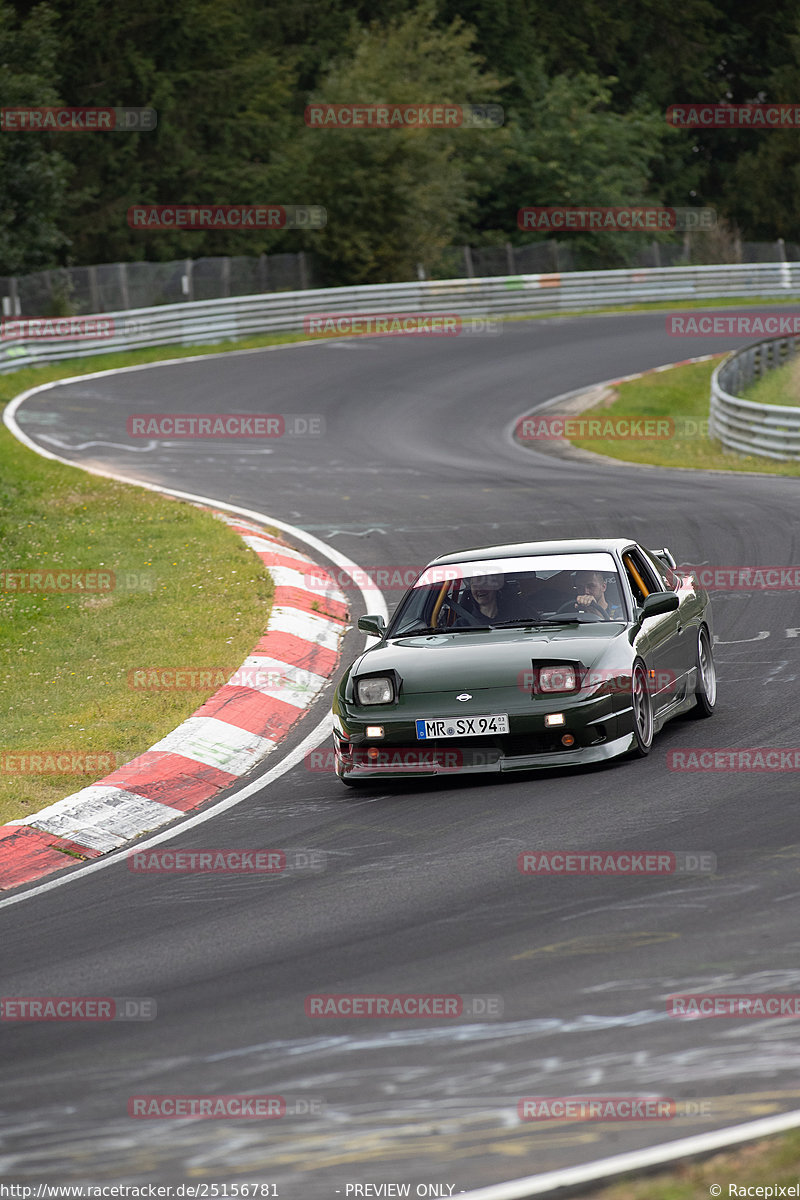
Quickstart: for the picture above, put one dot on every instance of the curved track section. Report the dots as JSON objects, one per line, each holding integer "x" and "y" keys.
{"x": 421, "y": 891}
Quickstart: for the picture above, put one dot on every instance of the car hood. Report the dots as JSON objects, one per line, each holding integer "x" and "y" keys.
{"x": 441, "y": 662}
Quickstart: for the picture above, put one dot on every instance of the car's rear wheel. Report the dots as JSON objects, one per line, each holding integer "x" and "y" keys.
{"x": 706, "y": 681}
{"x": 642, "y": 705}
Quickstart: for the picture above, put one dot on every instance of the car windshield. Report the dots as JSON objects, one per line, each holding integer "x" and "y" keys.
{"x": 548, "y": 589}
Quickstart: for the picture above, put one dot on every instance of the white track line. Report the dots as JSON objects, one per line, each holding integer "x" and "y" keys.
{"x": 604, "y": 1169}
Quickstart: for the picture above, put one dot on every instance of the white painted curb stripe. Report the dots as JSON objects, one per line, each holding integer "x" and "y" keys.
{"x": 217, "y": 744}
{"x": 101, "y": 817}
{"x": 286, "y": 577}
{"x": 604, "y": 1169}
{"x": 264, "y": 545}
{"x": 308, "y": 626}
{"x": 280, "y": 680}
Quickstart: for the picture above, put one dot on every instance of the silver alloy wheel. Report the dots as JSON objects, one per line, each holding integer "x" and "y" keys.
{"x": 706, "y": 668}
{"x": 642, "y": 708}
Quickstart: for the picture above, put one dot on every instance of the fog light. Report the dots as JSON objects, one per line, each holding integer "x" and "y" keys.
{"x": 374, "y": 731}
{"x": 553, "y": 719}
{"x": 568, "y": 740}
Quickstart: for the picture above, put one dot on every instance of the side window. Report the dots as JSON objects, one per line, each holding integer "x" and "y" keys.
{"x": 641, "y": 576}
{"x": 668, "y": 579}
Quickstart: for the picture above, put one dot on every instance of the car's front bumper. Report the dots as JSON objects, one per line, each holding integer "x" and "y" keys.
{"x": 601, "y": 726}
{"x": 346, "y": 768}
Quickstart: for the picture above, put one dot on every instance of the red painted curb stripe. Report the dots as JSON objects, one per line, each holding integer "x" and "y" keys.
{"x": 181, "y": 783}
{"x": 273, "y": 558}
{"x": 296, "y": 651}
{"x": 251, "y": 710}
{"x": 251, "y": 531}
{"x": 27, "y": 854}
{"x": 293, "y": 597}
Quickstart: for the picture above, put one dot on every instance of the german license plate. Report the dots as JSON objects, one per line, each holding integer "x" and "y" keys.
{"x": 453, "y": 727}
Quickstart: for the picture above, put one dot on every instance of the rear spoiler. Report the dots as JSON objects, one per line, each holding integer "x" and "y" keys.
{"x": 665, "y": 556}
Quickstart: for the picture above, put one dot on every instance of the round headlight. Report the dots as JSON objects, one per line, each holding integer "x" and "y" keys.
{"x": 375, "y": 691}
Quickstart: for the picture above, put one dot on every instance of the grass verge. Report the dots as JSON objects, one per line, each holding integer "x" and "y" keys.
{"x": 781, "y": 386}
{"x": 187, "y": 594}
{"x": 680, "y": 394}
{"x": 774, "y": 1161}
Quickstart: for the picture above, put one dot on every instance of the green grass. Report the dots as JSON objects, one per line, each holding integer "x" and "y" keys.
{"x": 773, "y": 1161}
{"x": 65, "y": 658}
{"x": 781, "y": 386}
{"x": 680, "y": 394}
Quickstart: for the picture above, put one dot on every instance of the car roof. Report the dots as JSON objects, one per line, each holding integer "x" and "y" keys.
{"x": 524, "y": 549}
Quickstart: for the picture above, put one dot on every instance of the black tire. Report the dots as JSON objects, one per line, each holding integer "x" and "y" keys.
{"x": 642, "y": 705}
{"x": 706, "y": 682}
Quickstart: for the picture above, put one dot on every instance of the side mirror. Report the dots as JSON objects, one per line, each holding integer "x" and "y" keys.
{"x": 659, "y": 602}
{"x": 375, "y": 624}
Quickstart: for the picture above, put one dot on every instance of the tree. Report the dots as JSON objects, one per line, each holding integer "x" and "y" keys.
{"x": 398, "y": 197}
{"x": 570, "y": 148}
{"x": 33, "y": 174}
{"x": 222, "y": 91}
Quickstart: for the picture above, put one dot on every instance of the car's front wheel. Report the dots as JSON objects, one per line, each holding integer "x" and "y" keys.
{"x": 706, "y": 681}
{"x": 642, "y": 705}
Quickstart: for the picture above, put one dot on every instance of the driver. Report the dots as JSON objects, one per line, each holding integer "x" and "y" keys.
{"x": 592, "y": 595}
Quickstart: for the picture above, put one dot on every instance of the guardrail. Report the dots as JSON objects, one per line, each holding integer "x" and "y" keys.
{"x": 205, "y": 321}
{"x": 768, "y": 430}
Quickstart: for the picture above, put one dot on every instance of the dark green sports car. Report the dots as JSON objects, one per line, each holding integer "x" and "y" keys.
{"x": 512, "y": 658}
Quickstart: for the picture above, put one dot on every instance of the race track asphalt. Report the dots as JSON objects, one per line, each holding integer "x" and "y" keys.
{"x": 421, "y": 891}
